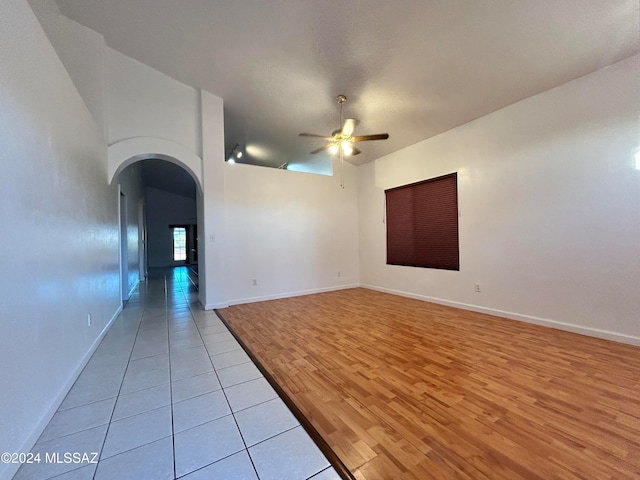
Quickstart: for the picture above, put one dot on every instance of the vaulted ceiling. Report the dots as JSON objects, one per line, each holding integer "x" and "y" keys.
{"x": 164, "y": 175}
{"x": 410, "y": 68}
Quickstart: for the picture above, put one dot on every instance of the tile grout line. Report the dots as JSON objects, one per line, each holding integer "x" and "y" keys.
{"x": 173, "y": 430}
{"x": 334, "y": 460}
{"x": 246, "y": 448}
{"x": 149, "y": 312}
{"x": 120, "y": 388}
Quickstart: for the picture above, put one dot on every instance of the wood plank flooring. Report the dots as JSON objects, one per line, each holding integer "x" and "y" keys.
{"x": 404, "y": 389}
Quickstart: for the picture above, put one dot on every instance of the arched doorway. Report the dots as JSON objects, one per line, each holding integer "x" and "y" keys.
{"x": 157, "y": 183}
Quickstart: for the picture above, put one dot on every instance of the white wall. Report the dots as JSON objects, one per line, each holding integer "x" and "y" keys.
{"x": 154, "y": 116}
{"x": 132, "y": 187}
{"x": 164, "y": 209}
{"x": 83, "y": 54}
{"x": 146, "y": 103}
{"x": 212, "y": 252}
{"x": 549, "y": 200}
{"x": 60, "y": 230}
{"x": 292, "y": 232}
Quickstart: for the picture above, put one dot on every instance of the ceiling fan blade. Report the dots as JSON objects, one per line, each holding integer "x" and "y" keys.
{"x": 314, "y": 135}
{"x": 349, "y": 126}
{"x": 366, "y": 138}
{"x": 355, "y": 151}
{"x": 318, "y": 150}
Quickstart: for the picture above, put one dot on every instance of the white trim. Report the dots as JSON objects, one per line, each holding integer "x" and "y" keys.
{"x": 124, "y": 152}
{"x": 568, "y": 327}
{"x": 133, "y": 289}
{"x": 120, "y": 246}
{"x": 276, "y": 296}
{"x": 212, "y": 306}
{"x": 31, "y": 440}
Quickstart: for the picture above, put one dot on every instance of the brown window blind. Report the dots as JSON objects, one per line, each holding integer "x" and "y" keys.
{"x": 422, "y": 224}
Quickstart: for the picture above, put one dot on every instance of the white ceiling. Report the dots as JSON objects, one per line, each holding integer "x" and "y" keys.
{"x": 410, "y": 68}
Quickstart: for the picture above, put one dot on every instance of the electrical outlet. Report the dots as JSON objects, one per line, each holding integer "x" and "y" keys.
{"x": 255, "y": 282}
{"x": 478, "y": 287}
{"x": 88, "y": 319}
{"x": 212, "y": 238}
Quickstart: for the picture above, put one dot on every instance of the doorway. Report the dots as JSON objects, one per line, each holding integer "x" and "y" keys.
{"x": 157, "y": 192}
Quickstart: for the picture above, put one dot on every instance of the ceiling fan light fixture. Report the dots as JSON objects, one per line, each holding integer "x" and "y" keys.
{"x": 347, "y": 148}
{"x": 343, "y": 139}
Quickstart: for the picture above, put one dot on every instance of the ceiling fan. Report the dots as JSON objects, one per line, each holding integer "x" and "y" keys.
{"x": 342, "y": 140}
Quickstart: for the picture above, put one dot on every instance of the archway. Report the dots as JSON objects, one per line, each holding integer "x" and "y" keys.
{"x": 135, "y": 153}
{"x": 131, "y": 150}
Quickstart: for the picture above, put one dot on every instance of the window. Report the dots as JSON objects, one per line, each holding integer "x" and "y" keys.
{"x": 422, "y": 224}
{"x": 179, "y": 244}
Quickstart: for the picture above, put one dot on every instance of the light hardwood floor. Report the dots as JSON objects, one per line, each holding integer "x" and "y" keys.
{"x": 404, "y": 389}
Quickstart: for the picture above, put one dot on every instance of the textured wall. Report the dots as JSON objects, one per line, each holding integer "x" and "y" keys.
{"x": 60, "y": 229}
{"x": 143, "y": 102}
{"x": 292, "y": 232}
{"x": 131, "y": 185}
{"x": 549, "y": 205}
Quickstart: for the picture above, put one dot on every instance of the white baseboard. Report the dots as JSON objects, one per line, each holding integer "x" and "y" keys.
{"x": 589, "y": 331}
{"x": 299, "y": 293}
{"x": 212, "y": 306}
{"x": 46, "y": 418}
{"x": 133, "y": 289}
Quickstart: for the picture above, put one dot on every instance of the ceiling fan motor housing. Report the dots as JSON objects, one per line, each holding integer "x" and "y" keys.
{"x": 342, "y": 139}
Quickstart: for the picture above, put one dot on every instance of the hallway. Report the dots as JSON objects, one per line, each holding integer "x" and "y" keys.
{"x": 169, "y": 393}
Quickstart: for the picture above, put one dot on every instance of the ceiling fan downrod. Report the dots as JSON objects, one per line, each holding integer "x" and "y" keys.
{"x": 341, "y": 99}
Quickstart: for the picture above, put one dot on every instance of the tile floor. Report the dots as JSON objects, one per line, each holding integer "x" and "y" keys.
{"x": 169, "y": 394}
